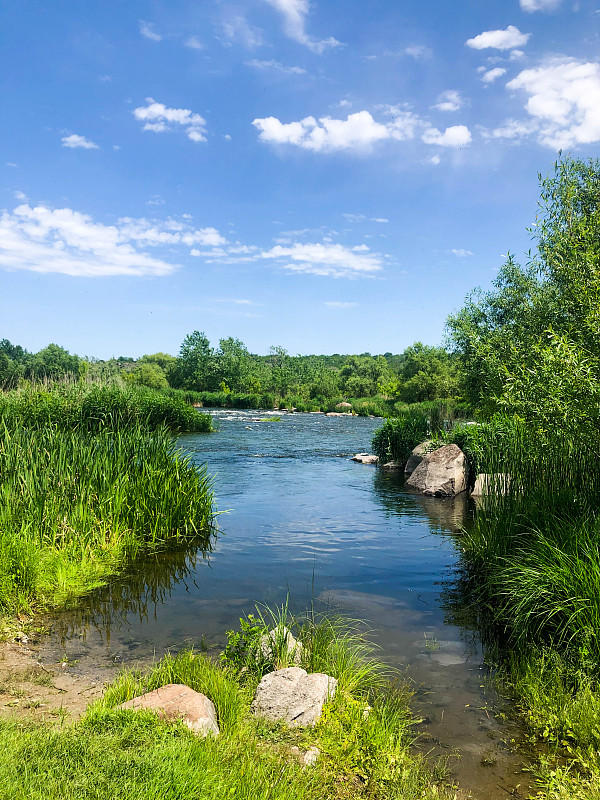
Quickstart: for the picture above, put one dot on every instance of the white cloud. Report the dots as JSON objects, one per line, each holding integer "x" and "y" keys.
{"x": 358, "y": 132}
{"x": 333, "y": 260}
{"x": 294, "y": 14}
{"x": 235, "y": 301}
{"x": 539, "y": 5}
{"x": 19, "y": 195}
{"x": 460, "y": 253}
{"x": 450, "y": 100}
{"x": 418, "y": 51}
{"x": 158, "y": 118}
{"x": 168, "y": 232}
{"x": 10, "y": 164}
{"x": 275, "y": 65}
{"x": 379, "y": 219}
{"x": 512, "y": 129}
{"x": 45, "y": 240}
{"x": 500, "y": 40}
{"x": 148, "y": 33}
{"x": 564, "y": 101}
{"x": 75, "y": 141}
{"x": 237, "y": 29}
{"x": 194, "y": 43}
{"x": 339, "y": 304}
{"x": 493, "y": 74}
{"x": 435, "y": 160}
{"x": 454, "y": 136}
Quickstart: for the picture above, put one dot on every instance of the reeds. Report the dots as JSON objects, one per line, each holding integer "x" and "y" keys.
{"x": 93, "y": 407}
{"x": 75, "y": 506}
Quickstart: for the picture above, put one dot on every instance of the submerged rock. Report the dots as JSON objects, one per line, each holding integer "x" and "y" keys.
{"x": 293, "y": 696}
{"x": 365, "y": 458}
{"x": 178, "y": 701}
{"x": 442, "y": 473}
{"x": 391, "y": 465}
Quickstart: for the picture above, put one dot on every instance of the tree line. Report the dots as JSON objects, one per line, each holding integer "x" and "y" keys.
{"x": 421, "y": 372}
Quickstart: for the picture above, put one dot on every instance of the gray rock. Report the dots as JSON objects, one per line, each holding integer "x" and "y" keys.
{"x": 294, "y": 696}
{"x": 442, "y": 473}
{"x": 177, "y": 701}
{"x": 486, "y": 484}
{"x": 391, "y": 465}
{"x": 279, "y": 643}
{"x": 365, "y": 458}
{"x": 417, "y": 455}
{"x": 343, "y": 405}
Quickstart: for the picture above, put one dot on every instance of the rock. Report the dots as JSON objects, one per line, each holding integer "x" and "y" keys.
{"x": 308, "y": 758}
{"x": 311, "y": 756}
{"x": 442, "y": 473}
{"x": 343, "y": 405}
{"x": 177, "y": 701}
{"x": 365, "y": 458}
{"x": 391, "y": 465}
{"x": 486, "y": 484}
{"x": 417, "y": 455}
{"x": 279, "y": 643}
{"x": 294, "y": 696}
{"x": 336, "y": 414}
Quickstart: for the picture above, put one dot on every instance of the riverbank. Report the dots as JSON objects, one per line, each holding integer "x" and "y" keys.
{"x": 363, "y": 737}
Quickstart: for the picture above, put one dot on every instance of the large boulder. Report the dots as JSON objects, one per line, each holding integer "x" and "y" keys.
{"x": 178, "y": 701}
{"x": 442, "y": 473}
{"x": 343, "y": 404}
{"x": 294, "y": 696}
{"x": 417, "y": 455}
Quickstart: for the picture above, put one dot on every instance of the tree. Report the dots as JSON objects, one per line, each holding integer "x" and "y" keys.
{"x": 196, "y": 364}
{"x": 53, "y": 362}
{"x": 531, "y": 346}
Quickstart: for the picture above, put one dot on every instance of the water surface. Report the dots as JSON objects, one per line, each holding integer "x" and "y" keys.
{"x": 302, "y": 521}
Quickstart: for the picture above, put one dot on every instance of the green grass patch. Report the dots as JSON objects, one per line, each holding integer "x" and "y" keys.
{"x": 76, "y": 507}
{"x": 92, "y": 407}
{"x": 113, "y": 753}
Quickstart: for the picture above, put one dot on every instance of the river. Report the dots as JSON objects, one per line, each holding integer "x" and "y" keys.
{"x": 299, "y": 520}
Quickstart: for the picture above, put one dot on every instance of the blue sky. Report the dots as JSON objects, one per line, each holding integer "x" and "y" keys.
{"x": 328, "y": 176}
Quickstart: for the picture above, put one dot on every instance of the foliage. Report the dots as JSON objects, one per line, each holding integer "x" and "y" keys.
{"x": 75, "y": 507}
{"x": 396, "y": 439}
{"x": 531, "y": 346}
{"x": 96, "y": 407}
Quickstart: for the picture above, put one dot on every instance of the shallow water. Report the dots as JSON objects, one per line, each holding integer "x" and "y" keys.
{"x": 302, "y": 520}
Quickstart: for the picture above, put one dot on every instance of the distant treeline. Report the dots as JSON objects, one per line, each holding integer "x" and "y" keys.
{"x": 418, "y": 374}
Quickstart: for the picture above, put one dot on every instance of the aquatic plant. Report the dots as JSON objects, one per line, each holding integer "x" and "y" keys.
{"x": 76, "y": 506}
{"x": 95, "y": 407}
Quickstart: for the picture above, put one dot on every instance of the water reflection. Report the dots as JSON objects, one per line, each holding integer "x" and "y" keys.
{"x": 138, "y": 594}
{"x": 445, "y": 515}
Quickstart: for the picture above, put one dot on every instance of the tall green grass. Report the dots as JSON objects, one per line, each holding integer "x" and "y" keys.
{"x": 94, "y": 407}
{"x": 76, "y": 506}
{"x": 531, "y": 568}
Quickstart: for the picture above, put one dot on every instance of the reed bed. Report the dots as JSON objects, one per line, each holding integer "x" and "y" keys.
{"x": 75, "y": 506}
{"x": 93, "y": 407}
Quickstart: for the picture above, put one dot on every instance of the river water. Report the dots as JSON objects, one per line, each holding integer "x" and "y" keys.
{"x": 299, "y": 520}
